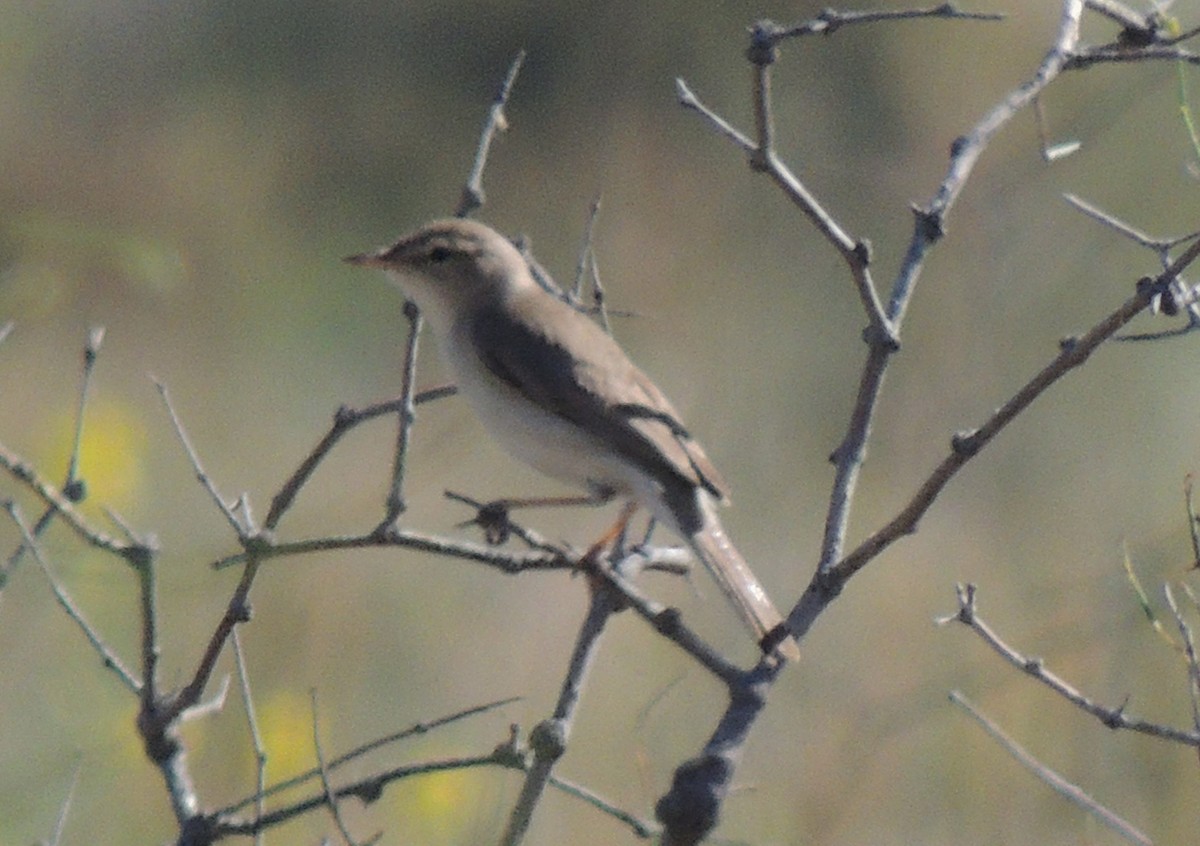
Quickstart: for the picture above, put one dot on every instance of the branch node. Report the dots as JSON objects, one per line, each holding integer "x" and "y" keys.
{"x": 666, "y": 622}
{"x": 511, "y": 753}
{"x": 966, "y": 603}
{"x": 862, "y": 252}
{"x": 828, "y": 586}
{"x": 75, "y": 491}
{"x": 965, "y": 443}
{"x": 243, "y": 612}
{"x": 763, "y": 49}
{"x": 258, "y": 543}
{"x": 692, "y": 807}
{"x": 139, "y": 555}
{"x": 930, "y": 223}
{"x": 548, "y": 740}
{"x": 875, "y": 335}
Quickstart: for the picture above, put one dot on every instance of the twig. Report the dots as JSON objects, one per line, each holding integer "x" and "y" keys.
{"x": 642, "y": 828}
{"x": 1059, "y": 784}
{"x": 344, "y": 419}
{"x": 243, "y": 532}
{"x": 585, "y": 249}
{"x": 1116, "y": 54}
{"x": 508, "y": 562}
{"x": 1159, "y": 245}
{"x": 1050, "y": 152}
{"x": 1178, "y": 294}
{"x": 1118, "y": 13}
{"x": 407, "y": 416}
{"x": 587, "y": 261}
{"x": 236, "y": 611}
{"x": 1193, "y": 520}
{"x": 23, "y": 472}
{"x": 668, "y": 622}
{"x": 256, "y": 741}
{"x": 73, "y": 488}
{"x": 64, "y": 810}
{"x": 330, "y": 799}
{"x": 1144, "y": 602}
{"x": 550, "y": 737}
{"x": 830, "y": 20}
{"x": 1113, "y": 718}
{"x": 367, "y": 789}
{"x": 762, "y": 157}
{"x": 358, "y": 752}
{"x": 473, "y": 195}
{"x": 691, "y": 807}
{"x": 1189, "y": 651}
{"x": 108, "y": 657}
{"x": 966, "y": 445}
{"x": 928, "y": 229}
{"x": 90, "y": 352}
{"x": 688, "y": 100}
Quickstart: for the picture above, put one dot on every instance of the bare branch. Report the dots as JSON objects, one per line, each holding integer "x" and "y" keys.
{"x": 473, "y": 195}
{"x": 73, "y": 488}
{"x": 60, "y": 825}
{"x": 358, "y": 752}
{"x": 1054, "y": 780}
{"x": 1189, "y": 652}
{"x": 1113, "y": 718}
{"x": 1051, "y": 152}
{"x": 23, "y": 472}
{"x": 236, "y": 611}
{"x": 1118, "y": 54}
{"x": 929, "y": 228}
{"x": 688, "y": 100}
{"x": 1193, "y": 519}
{"x": 242, "y": 531}
{"x": 330, "y": 799}
{"x": 344, "y": 419}
{"x": 395, "y": 504}
{"x": 367, "y": 790}
{"x": 108, "y": 657}
{"x": 260, "y": 750}
{"x": 508, "y": 562}
{"x": 831, "y": 20}
{"x": 642, "y": 828}
{"x": 550, "y": 737}
{"x": 1119, "y": 14}
{"x": 1159, "y": 245}
{"x": 966, "y": 445}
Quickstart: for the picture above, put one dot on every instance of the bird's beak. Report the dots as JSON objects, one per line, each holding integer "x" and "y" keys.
{"x": 374, "y": 259}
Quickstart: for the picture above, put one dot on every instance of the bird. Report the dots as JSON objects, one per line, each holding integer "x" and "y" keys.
{"x": 558, "y": 393}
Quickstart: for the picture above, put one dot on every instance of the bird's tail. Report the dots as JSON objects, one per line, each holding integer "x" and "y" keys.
{"x": 737, "y": 581}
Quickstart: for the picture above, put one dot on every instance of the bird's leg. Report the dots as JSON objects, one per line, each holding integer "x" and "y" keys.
{"x": 614, "y": 533}
{"x": 592, "y": 562}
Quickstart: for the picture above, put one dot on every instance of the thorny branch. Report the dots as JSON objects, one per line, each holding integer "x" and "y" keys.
{"x": 690, "y": 809}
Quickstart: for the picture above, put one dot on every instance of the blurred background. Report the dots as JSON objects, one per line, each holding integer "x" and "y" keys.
{"x": 188, "y": 176}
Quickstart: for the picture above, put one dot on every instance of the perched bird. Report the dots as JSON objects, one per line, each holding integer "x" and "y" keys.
{"x": 558, "y": 393}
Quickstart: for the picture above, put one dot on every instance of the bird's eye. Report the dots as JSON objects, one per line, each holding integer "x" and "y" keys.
{"x": 439, "y": 254}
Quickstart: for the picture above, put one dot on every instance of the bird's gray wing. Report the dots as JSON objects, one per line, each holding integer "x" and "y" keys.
{"x": 561, "y": 360}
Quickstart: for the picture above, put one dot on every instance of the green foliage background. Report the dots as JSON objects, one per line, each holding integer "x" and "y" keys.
{"x": 188, "y": 176}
